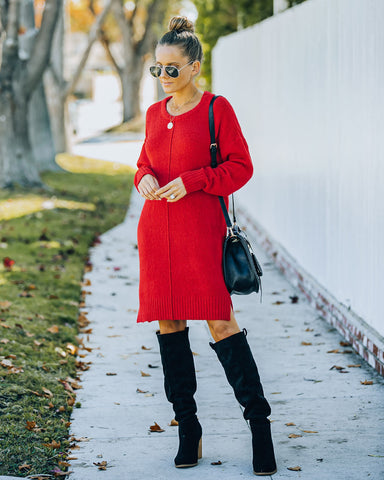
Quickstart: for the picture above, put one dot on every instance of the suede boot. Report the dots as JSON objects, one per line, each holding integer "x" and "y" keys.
{"x": 241, "y": 371}
{"x": 180, "y": 386}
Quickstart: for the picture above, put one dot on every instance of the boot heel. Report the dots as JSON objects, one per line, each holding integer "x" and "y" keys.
{"x": 200, "y": 453}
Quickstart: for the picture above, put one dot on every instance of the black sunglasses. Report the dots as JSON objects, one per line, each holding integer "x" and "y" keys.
{"x": 170, "y": 70}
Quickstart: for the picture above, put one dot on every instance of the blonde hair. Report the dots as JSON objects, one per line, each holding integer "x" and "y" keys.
{"x": 182, "y": 34}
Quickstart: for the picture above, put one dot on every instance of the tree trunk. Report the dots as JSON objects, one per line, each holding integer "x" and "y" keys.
{"x": 40, "y": 131}
{"x": 130, "y": 77}
{"x": 17, "y": 162}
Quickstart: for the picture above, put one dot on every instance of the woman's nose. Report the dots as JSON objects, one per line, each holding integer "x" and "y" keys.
{"x": 163, "y": 73}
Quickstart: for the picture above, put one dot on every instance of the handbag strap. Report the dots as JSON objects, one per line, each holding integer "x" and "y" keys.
{"x": 213, "y": 148}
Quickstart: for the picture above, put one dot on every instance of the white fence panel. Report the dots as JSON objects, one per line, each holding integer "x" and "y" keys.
{"x": 308, "y": 87}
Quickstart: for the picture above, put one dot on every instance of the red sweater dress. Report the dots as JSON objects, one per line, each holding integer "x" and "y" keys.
{"x": 180, "y": 244}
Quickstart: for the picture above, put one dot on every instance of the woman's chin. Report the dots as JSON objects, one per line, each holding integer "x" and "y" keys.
{"x": 168, "y": 87}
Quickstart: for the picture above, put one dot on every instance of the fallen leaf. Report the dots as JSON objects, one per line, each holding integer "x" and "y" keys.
{"x": 143, "y": 374}
{"x": 25, "y": 466}
{"x": 5, "y": 304}
{"x": 53, "y": 329}
{"x": 216, "y": 463}
{"x": 337, "y": 367}
{"x": 101, "y": 465}
{"x": 378, "y": 456}
{"x": 111, "y": 374}
{"x": 196, "y": 354}
{"x": 143, "y": 347}
{"x": 47, "y": 392}
{"x": 61, "y": 352}
{"x": 290, "y": 424}
{"x": 141, "y": 391}
{"x": 278, "y": 303}
{"x": 4, "y": 341}
{"x": 30, "y": 425}
{"x": 294, "y": 469}
{"x": 309, "y": 329}
{"x": 336, "y": 350}
{"x": 70, "y": 401}
{"x": 8, "y": 263}
{"x": 275, "y": 393}
{"x": 367, "y": 382}
{"x": 6, "y": 364}
{"x": 346, "y": 344}
{"x": 174, "y": 423}
{"x": 64, "y": 464}
{"x": 156, "y": 428}
{"x": 4, "y": 325}
{"x": 54, "y": 445}
{"x": 72, "y": 349}
{"x": 354, "y": 366}
{"x": 306, "y": 343}
{"x": 294, "y": 435}
{"x": 309, "y": 431}
{"x": 59, "y": 473}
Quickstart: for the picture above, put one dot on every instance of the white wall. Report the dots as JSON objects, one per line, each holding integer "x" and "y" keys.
{"x": 308, "y": 88}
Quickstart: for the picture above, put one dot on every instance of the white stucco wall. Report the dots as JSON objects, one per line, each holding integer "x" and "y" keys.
{"x": 308, "y": 88}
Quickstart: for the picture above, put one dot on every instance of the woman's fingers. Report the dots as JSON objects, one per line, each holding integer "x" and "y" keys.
{"x": 148, "y": 186}
{"x": 173, "y": 191}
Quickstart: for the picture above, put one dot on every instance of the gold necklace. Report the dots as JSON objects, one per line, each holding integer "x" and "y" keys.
{"x": 177, "y": 109}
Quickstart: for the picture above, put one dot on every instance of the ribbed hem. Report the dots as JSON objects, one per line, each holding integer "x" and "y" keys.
{"x": 193, "y": 180}
{"x": 185, "y": 308}
{"x": 140, "y": 174}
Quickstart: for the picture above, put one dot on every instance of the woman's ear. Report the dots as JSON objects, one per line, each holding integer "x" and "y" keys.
{"x": 196, "y": 66}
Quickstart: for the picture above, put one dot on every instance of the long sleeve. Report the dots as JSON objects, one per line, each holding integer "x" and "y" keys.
{"x": 143, "y": 167}
{"x": 235, "y": 168}
{"x": 143, "y": 163}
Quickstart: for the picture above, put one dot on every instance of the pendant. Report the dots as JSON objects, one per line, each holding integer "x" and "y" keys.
{"x": 170, "y": 125}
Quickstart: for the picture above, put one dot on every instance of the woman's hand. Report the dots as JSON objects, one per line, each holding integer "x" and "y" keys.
{"x": 173, "y": 191}
{"x": 148, "y": 186}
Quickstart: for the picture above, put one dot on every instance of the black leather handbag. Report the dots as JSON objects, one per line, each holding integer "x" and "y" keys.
{"x": 241, "y": 269}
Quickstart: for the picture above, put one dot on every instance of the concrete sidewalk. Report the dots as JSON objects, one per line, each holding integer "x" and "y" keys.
{"x": 337, "y": 423}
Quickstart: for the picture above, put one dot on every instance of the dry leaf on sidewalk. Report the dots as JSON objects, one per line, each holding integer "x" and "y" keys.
{"x": 294, "y": 435}
{"x": 216, "y": 463}
{"x": 101, "y": 465}
{"x": 174, "y": 423}
{"x": 366, "y": 382}
{"x": 156, "y": 428}
{"x": 143, "y": 347}
{"x": 294, "y": 469}
{"x": 143, "y": 374}
{"x": 290, "y": 424}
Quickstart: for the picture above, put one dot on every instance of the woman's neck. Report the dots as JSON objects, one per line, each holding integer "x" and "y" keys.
{"x": 185, "y": 95}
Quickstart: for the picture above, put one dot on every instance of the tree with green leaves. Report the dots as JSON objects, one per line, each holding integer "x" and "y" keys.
{"x": 222, "y": 17}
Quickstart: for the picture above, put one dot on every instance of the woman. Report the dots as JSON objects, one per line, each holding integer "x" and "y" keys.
{"x": 180, "y": 238}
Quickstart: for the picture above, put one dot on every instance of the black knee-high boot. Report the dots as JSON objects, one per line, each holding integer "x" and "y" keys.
{"x": 242, "y": 374}
{"x": 180, "y": 386}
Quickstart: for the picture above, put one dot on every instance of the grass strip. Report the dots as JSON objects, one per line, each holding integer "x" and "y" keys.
{"x": 42, "y": 260}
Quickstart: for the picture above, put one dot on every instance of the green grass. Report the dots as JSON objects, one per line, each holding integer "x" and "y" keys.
{"x": 44, "y": 286}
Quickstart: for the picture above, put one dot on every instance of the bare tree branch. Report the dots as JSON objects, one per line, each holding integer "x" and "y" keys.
{"x": 42, "y": 46}
{"x": 125, "y": 27}
{"x": 105, "y": 43}
{"x": 93, "y": 34}
{"x": 143, "y": 44}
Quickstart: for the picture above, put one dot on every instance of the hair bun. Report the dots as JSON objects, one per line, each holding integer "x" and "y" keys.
{"x": 181, "y": 24}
